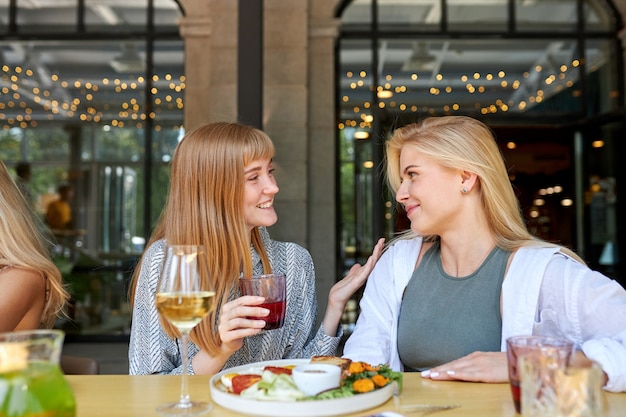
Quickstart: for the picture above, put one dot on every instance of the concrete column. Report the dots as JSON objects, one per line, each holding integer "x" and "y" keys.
{"x": 285, "y": 112}
{"x": 209, "y": 30}
{"x": 196, "y": 32}
{"x": 321, "y": 150}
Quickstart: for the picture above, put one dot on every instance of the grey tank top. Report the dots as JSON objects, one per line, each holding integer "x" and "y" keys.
{"x": 443, "y": 318}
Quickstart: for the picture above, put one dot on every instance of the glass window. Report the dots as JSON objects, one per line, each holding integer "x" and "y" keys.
{"x": 550, "y": 83}
{"x": 542, "y": 171}
{"x": 598, "y": 16}
{"x": 100, "y": 15}
{"x": 119, "y": 143}
{"x": 47, "y": 150}
{"x": 81, "y": 108}
{"x": 111, "y": 15}
{"x": 166, "y": 14}
{"x": 477, "y": 16}
{"x": 561, "y": 15}
{"x": 394, "y": 15}
{"x": 4, "y": 11}
{"x": 169, "y": 83}
{"x": 459, "y": 76}
{"x": 544, "y": 15}
{"x": 164, "y": 141}
{"x": 355, "y": 149}
{"x": 11, "y": 143}
{"x": 57, "y": 16}
{"x": 601, "y": 185}
{"x": 358, "y": 12}
{"x": 121, "y": 207}
{"x": 356, "y": 82}
{"x": 46, "y": 145}
{"x": 160, "y": 183}
{"x": 602, "y": 76}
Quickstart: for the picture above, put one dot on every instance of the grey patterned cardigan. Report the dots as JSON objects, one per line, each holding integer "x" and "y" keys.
{"x": 151, "y": 351}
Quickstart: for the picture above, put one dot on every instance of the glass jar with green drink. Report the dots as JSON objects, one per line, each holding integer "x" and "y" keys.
{"x": 31, "y": 380}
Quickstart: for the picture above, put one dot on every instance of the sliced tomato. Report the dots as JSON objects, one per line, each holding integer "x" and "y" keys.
{"x": 243, "y": 381}
{"x": 278, "y": 370}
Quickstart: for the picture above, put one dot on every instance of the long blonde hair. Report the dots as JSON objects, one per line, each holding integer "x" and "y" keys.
{"x": 23, "y": 245}
{"x": 464, "y": 143}
{"x": 205, "y": 206}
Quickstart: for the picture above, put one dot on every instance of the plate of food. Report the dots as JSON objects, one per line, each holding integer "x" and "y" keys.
{"x": 270, "y": 389}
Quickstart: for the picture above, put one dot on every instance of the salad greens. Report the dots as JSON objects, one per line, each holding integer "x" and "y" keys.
{"x": 281, "y": 387}
{"x": 273, "y": 387}
{"x": 349, "y": 386}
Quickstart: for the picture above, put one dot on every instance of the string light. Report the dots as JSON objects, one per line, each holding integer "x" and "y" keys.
{"x": 552, "y": 83}
{"x": 65, "y": 98}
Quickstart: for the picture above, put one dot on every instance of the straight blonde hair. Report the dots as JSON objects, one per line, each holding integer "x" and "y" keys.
{"x": 23, "y": 245}
{"x": 205, "y": 207}
{"x": 464, "y": 143}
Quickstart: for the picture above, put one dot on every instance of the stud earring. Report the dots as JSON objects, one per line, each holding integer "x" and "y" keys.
{"x": 464, "y": 190}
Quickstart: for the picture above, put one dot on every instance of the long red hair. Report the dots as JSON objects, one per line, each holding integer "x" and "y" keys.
{"x": 205, "y": 206}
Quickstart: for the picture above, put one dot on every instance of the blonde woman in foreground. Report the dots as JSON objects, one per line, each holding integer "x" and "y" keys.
{"x": 443, "y": 299}
{"x": 33, "y": 295}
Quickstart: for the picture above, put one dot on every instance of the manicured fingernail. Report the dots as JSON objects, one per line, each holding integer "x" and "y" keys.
{"x": 434, "y": 374}
{"x": 425, "y": 374}
{"x": 451, "y": 372}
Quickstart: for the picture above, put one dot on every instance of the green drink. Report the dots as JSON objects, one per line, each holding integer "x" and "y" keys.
{"x": 31, "y": 381}
{"x": 48, "y": 393}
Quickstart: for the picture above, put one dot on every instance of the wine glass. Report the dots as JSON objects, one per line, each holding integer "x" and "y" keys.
{"x": 183, "y": 298}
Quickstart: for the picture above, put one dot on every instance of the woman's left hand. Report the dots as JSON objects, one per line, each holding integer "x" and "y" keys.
{"x": 341, "y": 292}
{"x": 475, "y": 367}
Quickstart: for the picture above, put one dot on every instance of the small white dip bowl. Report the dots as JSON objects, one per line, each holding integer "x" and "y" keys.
{"x": 314, "y": 378}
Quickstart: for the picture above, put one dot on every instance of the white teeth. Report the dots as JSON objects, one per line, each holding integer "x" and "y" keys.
{"x": 265, "y": 205}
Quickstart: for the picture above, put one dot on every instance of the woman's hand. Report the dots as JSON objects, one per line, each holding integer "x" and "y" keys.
{"x": 475, "y": 367}
{"x": 234, "y": 323}
{"x": 232, "y": 327}
{"x": 487, "y": 367}
{"x": 580, "y": 360}
{"x": 341, "y": 292}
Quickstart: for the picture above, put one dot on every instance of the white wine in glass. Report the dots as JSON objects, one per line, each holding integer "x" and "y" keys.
{"x": 184, "y": 298}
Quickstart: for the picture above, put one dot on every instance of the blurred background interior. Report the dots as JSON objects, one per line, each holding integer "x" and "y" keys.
{"x": 97, "y": 93}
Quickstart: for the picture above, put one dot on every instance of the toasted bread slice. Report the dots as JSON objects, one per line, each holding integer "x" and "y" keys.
{"x": 343, "y": 363}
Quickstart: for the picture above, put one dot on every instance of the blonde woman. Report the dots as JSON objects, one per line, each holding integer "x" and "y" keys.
{"x": 444, "y": 298}
{"x": 221, "y": 195}
{"x": 33, "y": 295}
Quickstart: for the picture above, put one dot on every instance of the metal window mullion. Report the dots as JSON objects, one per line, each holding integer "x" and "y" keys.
{"x": 378, "y": 215}
{"x": 580, "y": 29}
{"x": 443, "y": 23}
{"x": 12, "y": 16}
{"x": 512, "y": 16}
{"x": 148, "y": 163}
{"x": 80, "y": 16}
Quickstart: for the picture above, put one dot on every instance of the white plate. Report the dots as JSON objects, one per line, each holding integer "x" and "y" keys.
{"x": 319, "y": 408}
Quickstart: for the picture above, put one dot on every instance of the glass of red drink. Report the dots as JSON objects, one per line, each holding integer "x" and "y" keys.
{"x": 558, "y": 351}
{"x": 272, "y": 287}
